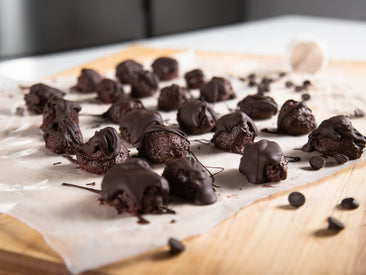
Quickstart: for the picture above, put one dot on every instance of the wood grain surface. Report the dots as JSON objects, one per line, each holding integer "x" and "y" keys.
{"x": 267, "y": 237}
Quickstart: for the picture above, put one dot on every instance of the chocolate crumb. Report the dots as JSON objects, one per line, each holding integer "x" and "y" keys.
{"x": 173, "y": 221}
{"x": 268, "y": 185}
{"x": 175, "y": 246}
{"x": 242, "y": 79}
{"x": 252, "y": 83}
{"x": 305, "y": 97}
{"x": 334, "y": 224}
{"x": 306, "y": 83}
{"x": 316, "y": 162}
{"x": 350, "y": 203}
{"x": 341, "y": 159}
{"x": 270, "y": 130}
{"x": 19, "y": 111}
{"x": 289, "y": 84}
{"x": 251, "y": 76}
{"x": 91, "y": 183}
{"x": 282, "y": 74}
{"x": 293, "y": 159}
{"x": 56, "y": 163}
{"x": 299, "y": 88}
{"x": 358, "y": 113}
{"x": 296, "y": 199}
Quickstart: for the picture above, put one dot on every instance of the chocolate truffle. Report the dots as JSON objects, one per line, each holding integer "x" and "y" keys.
{"x": 263, "y": 161}
{"x": 38, "y": 96}
{"x": 122, "y": 107}
{"x": 103, "y": 151}
{"x": 109, "y": 91}
{"x": 172, "y": 97}
{"x": 144, "y": 84}
{"x": 217, "y": 89}
{"x": 195, "y": 79}
{"x": 295, "y": 118}
{"x": 189, "y": 180}
{"x": 134, "y": 124}
{"x": 196, "y": 117}
{"x": 165, "y": 68}
{"x": 127, "y": 69}
{"x": 258, "y": 106}
{"x": 88, "y": 81}
{"x": 162, "y": 144}
{"x": 233, "y": 131}
{"x": 334, "y": 136}
{"x": 134, "y": 188}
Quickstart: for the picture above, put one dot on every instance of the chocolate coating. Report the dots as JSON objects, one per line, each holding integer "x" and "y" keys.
{"x": 217, "y": 89}
{"x": 233, "y": 131}
{"x": 189, "y": 180}
{"x": 258, "y": 106}
{"x": 336, "y": 135}
{"x": 88, "y": 81}
{"x": 165, "y": 68}
{"x": 195, "y": 79}
{"x": 134, "y": 124}
{"x": 38, "y": 96}
{"x": 163, "y": 144}
{"x": 109, "y": 91}
{"x": 101, "y": 152}
{"x": 263, "y": 161}
{"x": 127, "y": 69}
{"x": 144, "y": 84}
{"x": 196, "y": 117}
{"x": 122, "y": 107}
{"x": 172, "y": 97}
{"x": 134, "y": 188}
{"x": 295, "y": 118}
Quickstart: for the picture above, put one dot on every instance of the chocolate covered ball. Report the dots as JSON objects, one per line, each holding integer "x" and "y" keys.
{"x": 195, "y": 79}
{"x": 88, "y": 81}
{"x": 295, "y": 118}
{"x": 122, "y": 107}
{"x": 263, "y": 161}
{"x": 165, "y": 68}
{"x": 171, "y": 97}
{"x": 109, "y": 91}
{"x": 258, "y": 106}
{"x": 127, "y": 69}
{"x": 233, "y": 131}
{"x": 217, "y": 89}
{"x": 144, "y": 84}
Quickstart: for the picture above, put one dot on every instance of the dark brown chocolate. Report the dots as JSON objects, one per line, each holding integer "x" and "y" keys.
{"x": 263, "y": 161}
{"x": 121, "y": 108}
{"x": 144, "y": 84}
{"x": 127, "y": 69}
{"x": 109, "y": 91}
{"x": 195, "y": 79}
{"x": 217, "y": 89}
{"x": 258, "y": 106}
{"x": 296, "y": 199}
{"x": 171, "y": 97}
{"x": 165, "y": 68}
{"x": 88, "y": 81}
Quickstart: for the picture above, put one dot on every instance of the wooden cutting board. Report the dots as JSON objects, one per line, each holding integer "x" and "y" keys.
{"x": 267, "y": 237}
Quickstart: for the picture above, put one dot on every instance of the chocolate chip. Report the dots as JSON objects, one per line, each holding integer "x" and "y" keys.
{"x": 242, "y": 79}
{"x": 262, "y": 88}
{"x": 334, "y": 224}
{"x": 251, "y": 76}
{"x": 252, "y": 83}
{"x": 340, "y": 158}
{"x": 289, "y": 84}
{"x": 176, "y": 246}
{"x": 305, "y": 97}
{"x": 296, "y": 199}
{"x": 299, "y": 88}
{"x": 349, "y": 203}
{"x": 306, "y": 83}
{"x": 316, "y": 162}
{"x": 358, "y": 113}
{"x": 282, "y": 74}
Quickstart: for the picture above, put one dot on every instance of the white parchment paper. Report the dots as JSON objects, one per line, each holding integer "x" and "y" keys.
{"x": 89, "y": 235}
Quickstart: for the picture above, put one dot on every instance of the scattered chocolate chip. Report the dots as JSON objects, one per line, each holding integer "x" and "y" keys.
{"x": 299, "y": 88}
{"x": 350, "y": 203}
{"x": 289, "y": 84}
{"x": 19, "y": 111}
{"x": 358, "y": 113}
{"x": 305, "y": 97}
{"x": 282, "y": 74}
{"x": 252, "y": 83}
{"x": 306, "y": 83}
{"x": 91, "y": 183}
{"x": 251, "y": 76}
{"x": 175, "y": 246}
{"x": 57, "y": 163}
{"x": 341, "y": 159}
{"x": 334, "y": 224}
{"x": 316, "y": 162}
{"x": 296, "y": 199}
{"x": 173, "y": 221}
{"x": 242, "y": 79}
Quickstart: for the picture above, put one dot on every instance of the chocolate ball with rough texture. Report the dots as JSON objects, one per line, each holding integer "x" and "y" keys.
{"x": 171, "y": 97}
{"x": 122, "y": 107}
{"x": 195, "y": 79}
{"x": 109, "y": 91}
{"x": 127, "y": 69}
{"x": 258, "y": 106}
{"x": 165, "y": 68}
{"x": 144, "y": 84}
{"x": 217, "y": 89}
{"x": 88, "y": 81}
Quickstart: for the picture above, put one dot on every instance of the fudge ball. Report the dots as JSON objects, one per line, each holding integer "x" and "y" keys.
{"x": 109, "y": 91}
{"x": 233, "y": 131}
{"x": 295, "y": 118}
{"x": 102, "y": 151}
{"x": 258, "y": 106}
{"x": 335, "y": 136}
{"x": 144, "y": 84}
{"x": 88, "y": 81}
{"x": 165, "y": 68}
{"x": 189, "y": 180}
{"x": 195, "y": 79}
{"x": 196, "y": 117}
{"x": 217, "y": 89}
{"x": 163, "y": 144}
{"x": 122, "y": 107}
{"x": 134, "y": 124}
{"x": 263, "y": 161}
{"x": 134, "y": 188}
{"x": 172, "y": 97}
{"x": 127, "y": 69}
{"x": 38, "y": 96}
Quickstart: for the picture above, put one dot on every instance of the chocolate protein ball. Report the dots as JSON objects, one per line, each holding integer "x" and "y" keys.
{"x": 122, "y": 107}
{"x": 196, "y": 117}
{"x": 195, "y": 79}
{"x": 165, "y": 68}
{"x": 295, "y": 118}
{"x": 109, "y": 91}
{"x": 263, "y": 161}
{"x": 102, "y": 151}
{"x": 134, "y": 188}
{"x": 233, "y": 131}
{"x": 127, "y": 69}
{"x": 88, "y": 81}
{"x": 189, "y": 180}
{"x": 217, "y": 89}
{"x": 134, "y": 124}
{"x": 334, "y": 136}
{"x": 144, "y": 84}
{"x": 258, "y": 106}
{"x": 171, "y": 97}
{"x": 38, "y": 96}
{"x": 163, "y": 144}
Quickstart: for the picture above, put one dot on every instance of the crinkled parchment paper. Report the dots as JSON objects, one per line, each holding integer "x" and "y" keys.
{"x": 89, "y": 235}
